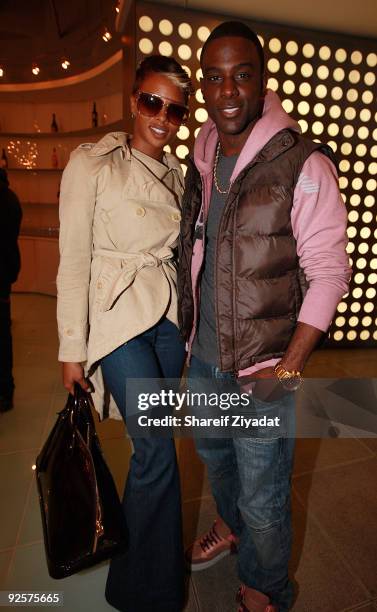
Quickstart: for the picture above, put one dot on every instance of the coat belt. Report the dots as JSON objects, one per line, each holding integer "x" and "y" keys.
{"x": 115, "y": 280}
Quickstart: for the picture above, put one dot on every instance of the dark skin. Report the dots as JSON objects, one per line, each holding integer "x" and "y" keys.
{"x": 233, "y": 87}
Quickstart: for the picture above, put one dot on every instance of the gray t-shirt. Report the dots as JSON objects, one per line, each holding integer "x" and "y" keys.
{"x": 205, "y": 343}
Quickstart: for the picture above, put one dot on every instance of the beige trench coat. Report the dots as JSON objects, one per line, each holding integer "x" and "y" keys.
{"x": 119, "y": 223}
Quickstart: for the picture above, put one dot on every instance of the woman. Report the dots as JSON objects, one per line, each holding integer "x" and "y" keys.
{"x": 120, "y": 213}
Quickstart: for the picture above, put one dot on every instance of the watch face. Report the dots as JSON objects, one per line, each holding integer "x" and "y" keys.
{"x": 292, "y": 384}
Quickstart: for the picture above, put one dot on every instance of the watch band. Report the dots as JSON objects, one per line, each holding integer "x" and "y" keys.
{"x": 290, "y": 379}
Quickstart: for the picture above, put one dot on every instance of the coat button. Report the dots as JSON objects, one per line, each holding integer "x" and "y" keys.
{"x": 69, "y": 332}
{"x": 176, "y": 216}
{"x": 140, "y": 212}
{"x": 99, "y": 285}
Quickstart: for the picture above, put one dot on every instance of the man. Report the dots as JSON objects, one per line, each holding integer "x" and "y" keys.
{"x": 10, "y": 220}
{"x": 262, "y": 268}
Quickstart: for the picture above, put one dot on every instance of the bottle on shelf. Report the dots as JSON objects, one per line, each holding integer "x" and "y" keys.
{"x": 54, "y": 125}
{"x": 4, "y": 160}
{"x": 54, "y": 159}
{"x": 94, "y": 116}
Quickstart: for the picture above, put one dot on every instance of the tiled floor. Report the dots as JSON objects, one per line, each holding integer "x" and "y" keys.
{"x": 334, "y": 559}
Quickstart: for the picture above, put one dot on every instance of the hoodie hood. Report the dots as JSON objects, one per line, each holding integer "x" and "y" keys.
{"x": 273, "y": 120}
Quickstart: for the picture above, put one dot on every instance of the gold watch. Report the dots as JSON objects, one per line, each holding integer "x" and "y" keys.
{"x": 290, "y": 379}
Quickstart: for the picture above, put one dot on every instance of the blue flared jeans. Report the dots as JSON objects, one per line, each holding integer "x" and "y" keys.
{"x": 150, "y": 575}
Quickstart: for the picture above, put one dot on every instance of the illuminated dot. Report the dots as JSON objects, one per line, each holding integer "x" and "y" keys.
{"x": 372, "y": 278}
{"x": 303, "y": 108}
{"x": 303, "y": 125}
{"x": 361, "y": 150}
{"x": 325, "y": 53}
{"x": 371, "y": 185}
{"x": 288, "y": 87}
{"x": 348, "y": 131}
{"x": 273, "y": 84}
{"x": 188, "y": 70}
{"x": 333, "y": 145}
{"x": 355, "y": 307}
{"x": 335, "y": 111}
{"x": 306, "y": 70}
{"x": 367, "y": 217}
{"x": 196, "y": 132}
{"x": 354, "y": 76}
{"x": 317, "y": 128}
{"x": 359, "y": 167}
{"x": 346, "y": 148}
{"x": 352, "y": 95}
{"x": 199, "y": 96}
{"x": 364, "y": 335}
{"x": 351, "y": 232}
{"x": 337, "y": 93}
{"x": 372, "y": 168}
{"x": 199, "y": 74}
{"x": 305, "y": 89}
{"x": 185, "y": 30}
{"x": 338, "y": 74}
{"x": 181, "y": 151}
{"x": 166, "y": 27}
{"x": 274, "y": 45}
{"x": 369, "y": 78}
{"x": 344, "y": 197}
{"x": 351, "y": 335}
{"x": 340, "y": 321}
{"x": 184, "y": 169}
{"x": 350, "y": 248}
{"x": 199, "y": 53}
{"x": 201, "y": 115}
{"x": 365, "y": 114}
{"x": 165, "y": 48}
{"x": 323, "y": 72}
{"x": 374, "y": 134}
{"x": 343, "y": 182}
{"x": 167, "y": 148}
{"x": 350, "y": 113}
{"x": 369, "y": 201}
{"x": 273, "y": 65}
{"x": 367, "y": 97}
{"x": 203, "y": 33}
{"x": 145, "y": 46}
{"x": 261, "y": 40}
{"x": 357, "y": 293}
{"x": 366, "y": 321}
{"x": 353, "y": 321}
{"x": 290, "y": 67}
{"x": 357, "y": 183}
{"x": 340, "y": 55}
{"x": 319, "y": 109}
{"x": 344, "y": 165}
{"x": 363, "y": 248}
{"x": 355, "y": 199}
{"x": 308, "y": 50}
{"x": 145, "y": 23}
{"x": 363, "y": 132}
{"x": 365, "y": 232}
{"x": 333, "y": 129}
{"x": 321, "y": 91}
{"x": 361, "y": 263}
{"x": 183, "y": 132}
{"x": 342, "y": 307}
{"x": 372, "y": 60}
{"x": 353, "y": 216}
{"x": 338, "y": 335}
{"x": 371, "y": 293}
{"x": 184, "y": 52}
{"x": 288, "y": 106}
{"x": 291, "y": 47}
{"x": 356, "y": 58}
{"x": 374, "y": 249}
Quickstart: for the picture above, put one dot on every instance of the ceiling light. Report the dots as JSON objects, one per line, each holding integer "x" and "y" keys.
{"x": 117, "y": 9}
{"x": 35, "y": 69}
{"x": 65, "y": 64}
{"x": 1, "y": 71}
{"x": 106, "y": 36}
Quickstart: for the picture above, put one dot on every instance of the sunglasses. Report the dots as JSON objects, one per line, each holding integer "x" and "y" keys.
{"x": 150, "y": 105}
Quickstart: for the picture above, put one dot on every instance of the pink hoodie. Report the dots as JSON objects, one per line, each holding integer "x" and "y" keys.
{"x": 318, "y": 217}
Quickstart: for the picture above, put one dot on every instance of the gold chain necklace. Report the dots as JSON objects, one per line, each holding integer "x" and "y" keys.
{"x": 218, "y": 188}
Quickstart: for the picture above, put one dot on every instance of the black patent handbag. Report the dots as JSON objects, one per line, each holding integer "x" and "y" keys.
{"x": 82, "y": 518}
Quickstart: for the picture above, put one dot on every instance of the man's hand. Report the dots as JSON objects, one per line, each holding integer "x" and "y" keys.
{"x": 73, "y": 372}
{"x": 263, "y": 385}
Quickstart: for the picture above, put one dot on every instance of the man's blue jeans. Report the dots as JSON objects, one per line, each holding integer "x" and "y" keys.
{"x": 150, "y": 576}
{"x": 250, "y": 480}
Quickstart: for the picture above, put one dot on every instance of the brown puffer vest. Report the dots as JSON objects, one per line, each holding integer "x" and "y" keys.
{"x": 259, "y": 284}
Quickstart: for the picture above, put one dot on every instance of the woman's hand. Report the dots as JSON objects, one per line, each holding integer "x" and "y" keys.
{"x": 73, "y": 372}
